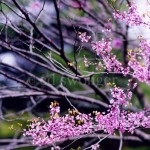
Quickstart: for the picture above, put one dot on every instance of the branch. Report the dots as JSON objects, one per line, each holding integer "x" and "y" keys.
{"x": 34, "y": 25}
{"x": 59, "y": 26}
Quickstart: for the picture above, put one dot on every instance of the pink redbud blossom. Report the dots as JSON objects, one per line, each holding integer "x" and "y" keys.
{"x": 83, "y": 37}
{"x": 59, "y": 128}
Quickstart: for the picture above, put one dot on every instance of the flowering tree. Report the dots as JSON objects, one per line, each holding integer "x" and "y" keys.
{"x": 77, "y": 56}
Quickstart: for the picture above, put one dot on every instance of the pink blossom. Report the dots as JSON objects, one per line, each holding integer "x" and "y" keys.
{"x": 141, "y": 67}
{"x": 84, "y": 37}
{"x": 129, "y": 95}
{"x": 131, "y": 17}
{"x": 95, "y": 146}
{"x": 134, "y": 85}
{"x": 75, "y": 123}
{"x": 102, "y": 46}
{"x": 125, "y": 71}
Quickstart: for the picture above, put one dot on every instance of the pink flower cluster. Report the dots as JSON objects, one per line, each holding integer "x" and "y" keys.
{"x": 131, "y": 17}
{"x": 59, "y": 128}
{"x": 102, "y": 46}
{"x": 83, "y": 37}
{"x": 103, "y": 49}
{"x": 139, "y": 61}
{"x": 121, "y": 120}
{"x": 119, "y": 97}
